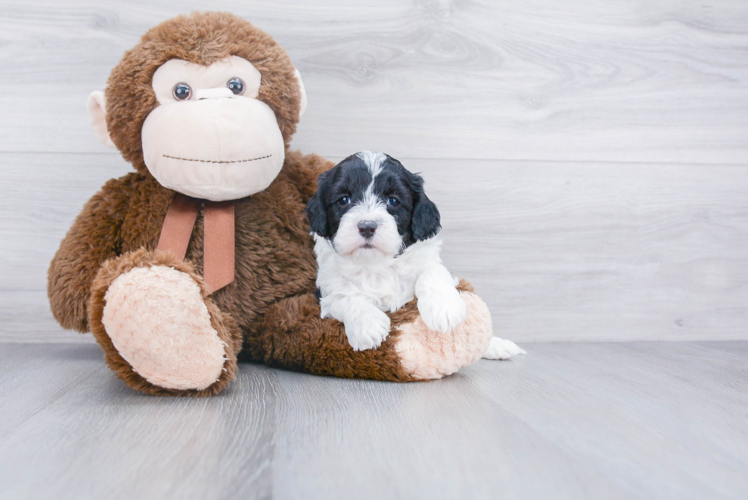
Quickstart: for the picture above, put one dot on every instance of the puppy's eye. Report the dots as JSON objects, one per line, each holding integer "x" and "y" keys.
{"x": 392, "y": 202}
{"x": 345, "y": 200}
{"x": 181, "y": 92}
{"x": 236, "y": 85}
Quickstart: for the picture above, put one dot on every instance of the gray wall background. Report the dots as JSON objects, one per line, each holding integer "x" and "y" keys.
{"x": 589, "y": 158}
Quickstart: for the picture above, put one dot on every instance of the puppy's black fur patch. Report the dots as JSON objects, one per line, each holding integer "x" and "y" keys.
{"x": 416, "y": 216}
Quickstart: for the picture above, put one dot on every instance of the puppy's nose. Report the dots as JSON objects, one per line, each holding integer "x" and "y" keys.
{"x": 366, "y": 228}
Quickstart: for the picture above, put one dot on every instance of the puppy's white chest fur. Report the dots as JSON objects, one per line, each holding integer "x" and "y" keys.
{"x": 386, "y": 282}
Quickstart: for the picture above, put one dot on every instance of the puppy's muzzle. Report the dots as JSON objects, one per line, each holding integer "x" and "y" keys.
{"x": 367, "y": 228}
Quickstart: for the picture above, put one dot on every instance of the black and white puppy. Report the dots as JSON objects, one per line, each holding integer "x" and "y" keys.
{"x": 377, "y": 247}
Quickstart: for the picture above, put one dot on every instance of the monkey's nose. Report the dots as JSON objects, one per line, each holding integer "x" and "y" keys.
{"x": 366, "y": 228}
{"x": 214, "y": 93}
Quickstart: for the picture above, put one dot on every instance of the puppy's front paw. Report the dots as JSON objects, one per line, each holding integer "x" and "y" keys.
{"x": 442, "y": 312}
{"x": 368, "y": 330}
{"x": 502, "y": 349}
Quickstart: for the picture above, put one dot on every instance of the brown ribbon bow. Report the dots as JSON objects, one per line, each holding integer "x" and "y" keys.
{"x": 218, "y": 240}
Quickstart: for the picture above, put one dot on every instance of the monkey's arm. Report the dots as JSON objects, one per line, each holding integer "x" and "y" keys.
{"x": 93, "y": 238}
{"x": 292, "y": 335}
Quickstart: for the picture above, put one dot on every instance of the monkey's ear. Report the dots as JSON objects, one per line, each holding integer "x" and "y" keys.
{"x": 303, "y": 93}
{"x": 96, "y": 107}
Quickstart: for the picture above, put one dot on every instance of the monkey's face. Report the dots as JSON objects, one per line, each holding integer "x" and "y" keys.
{"x": 206, "y": 104}
{"x": 210, "y": 137}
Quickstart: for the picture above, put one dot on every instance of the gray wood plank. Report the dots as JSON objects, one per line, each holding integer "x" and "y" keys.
{"x": 660, "y": 81}
{"x": 431, "y": 440}
{"x": 564, "y": 251}
{"x": 660, "y": 419}
{"x": 31, "y": 379}
{"x": 559, "y": 251}
{"x": 648, "y": 420}
{"x": 576, "y": 420}
{"x": 25, "y": 317}
{"x": 100, "y": 439}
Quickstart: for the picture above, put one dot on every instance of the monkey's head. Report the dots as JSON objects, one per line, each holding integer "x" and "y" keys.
{"x": 205, "y": 103}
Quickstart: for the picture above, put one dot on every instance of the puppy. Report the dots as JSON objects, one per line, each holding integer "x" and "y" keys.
{"x": 377, "y": 246}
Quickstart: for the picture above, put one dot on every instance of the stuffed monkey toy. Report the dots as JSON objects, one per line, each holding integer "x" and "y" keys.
{"x": 203, "y": 255}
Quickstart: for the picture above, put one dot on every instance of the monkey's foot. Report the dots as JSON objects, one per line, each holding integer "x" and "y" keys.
{"x": 426, "y": 354}
{"x": 157, "y": 330}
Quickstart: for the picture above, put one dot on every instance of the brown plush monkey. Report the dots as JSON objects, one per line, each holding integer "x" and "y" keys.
{"x": 203, "y": 254}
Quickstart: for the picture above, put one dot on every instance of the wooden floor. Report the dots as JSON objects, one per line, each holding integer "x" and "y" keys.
{"x": 665, "y": 420}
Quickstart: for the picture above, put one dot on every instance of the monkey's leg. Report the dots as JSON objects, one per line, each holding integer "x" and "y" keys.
{"x": 158, "y": 332}
{"x": 291, "y": 335}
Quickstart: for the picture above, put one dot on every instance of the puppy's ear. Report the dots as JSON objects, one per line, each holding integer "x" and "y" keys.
{"x": 316, "y": 211}
{"x": 425, "y": 221}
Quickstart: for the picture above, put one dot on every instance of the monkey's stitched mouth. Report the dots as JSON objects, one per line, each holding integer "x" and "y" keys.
{"x": 217, "y": 161}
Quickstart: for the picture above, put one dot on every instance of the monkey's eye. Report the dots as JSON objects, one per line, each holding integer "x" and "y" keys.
{"x": 236, "y": 85}
{"x": 345, "y": 200}
{"x": 393, "y": 202}
{"x": 181, "y": 92}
